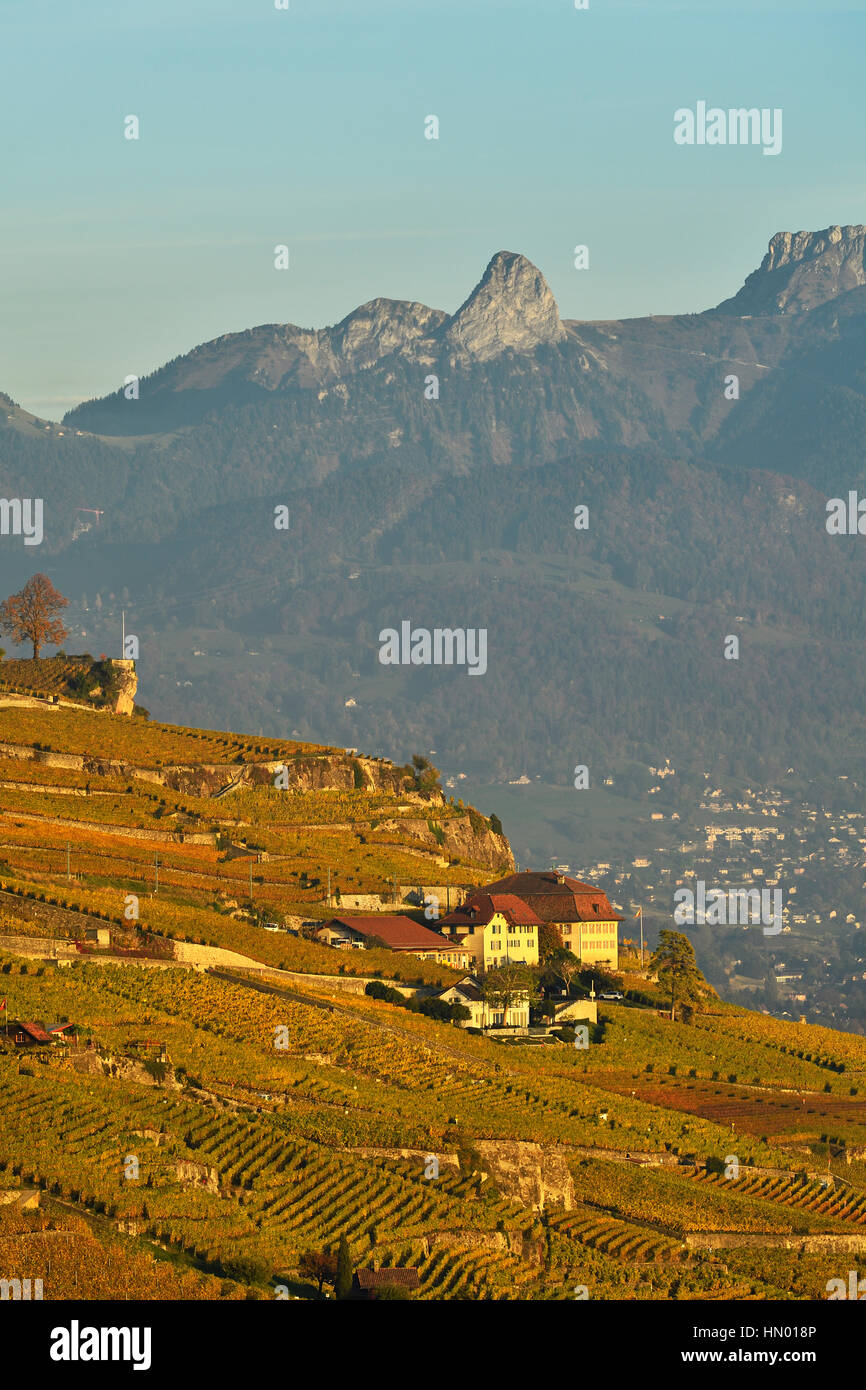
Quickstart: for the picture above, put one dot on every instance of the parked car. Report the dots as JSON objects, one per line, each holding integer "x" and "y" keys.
{"x": 611, "y": 994}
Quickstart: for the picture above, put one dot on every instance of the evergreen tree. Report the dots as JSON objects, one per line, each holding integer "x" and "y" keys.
{"x": 674, "y": 963}
{"x": 343, "y": 1284}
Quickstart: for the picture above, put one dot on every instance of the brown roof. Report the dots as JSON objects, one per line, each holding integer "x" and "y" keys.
{"x": 558, "y": 898}
{"x": 468, "y": 988}
{"x": 382, "y": 1278}
{"x": 36, "y": 1031}
{"x": 480, "y": 907}
{"x": 398, "y": 933}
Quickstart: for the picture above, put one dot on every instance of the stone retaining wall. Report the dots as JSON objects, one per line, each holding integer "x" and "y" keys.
{"x": 762, "y": 1240}
{"x": 61, "y": 918}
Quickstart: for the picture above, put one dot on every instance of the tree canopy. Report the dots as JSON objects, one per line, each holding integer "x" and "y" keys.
{"x": 503, "y": 985}
{"x": 674, "y": 962}
{"x": 31, "y": 614}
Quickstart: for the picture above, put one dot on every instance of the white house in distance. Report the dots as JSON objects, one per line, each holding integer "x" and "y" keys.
{"x": 483, "y": 1014}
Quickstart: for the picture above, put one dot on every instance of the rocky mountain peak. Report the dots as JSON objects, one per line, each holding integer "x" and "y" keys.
{"x": 511, "y": 307}
{"x": 381, "y": 327}
{"x": 802, "y": 270}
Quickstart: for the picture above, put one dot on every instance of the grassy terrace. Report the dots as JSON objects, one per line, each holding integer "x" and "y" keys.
{"x": 100, "y": 735}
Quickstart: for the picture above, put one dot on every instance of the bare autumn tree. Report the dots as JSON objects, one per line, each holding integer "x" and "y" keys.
{"x": 30, "y": 615}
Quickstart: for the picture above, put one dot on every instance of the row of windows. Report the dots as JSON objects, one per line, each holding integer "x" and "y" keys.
{"x": 588, "y": 928}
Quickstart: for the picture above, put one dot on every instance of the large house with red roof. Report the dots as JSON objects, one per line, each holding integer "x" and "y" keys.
{"x": 581, "y": 912}
{"x": 496, "y": 928}
{"x": 398, "y": 933}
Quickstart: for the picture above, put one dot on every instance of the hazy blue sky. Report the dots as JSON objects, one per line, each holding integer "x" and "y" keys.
{"x": 306, "y": 127}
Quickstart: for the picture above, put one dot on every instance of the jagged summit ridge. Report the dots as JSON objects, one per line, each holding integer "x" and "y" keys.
{"x": 511, "y": 307}
{"x": 802, "y": 270}
{"x": 380, "y": 327}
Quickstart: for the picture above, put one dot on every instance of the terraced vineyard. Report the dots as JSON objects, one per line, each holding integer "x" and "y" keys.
{"x": 621, "y": 1239}
{"x": 95, "y": 806}
{"x": 233, "y": 1124}
{"x": 783, "y": 1115}
{"x": 275, "y": 1198}
{"x": 834, "y": 1199}
{"x": 74, "y": 1261}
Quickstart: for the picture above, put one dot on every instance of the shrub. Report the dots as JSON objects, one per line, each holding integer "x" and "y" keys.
{"x": 380, "y": 991}
{"x": 248, "y": 1269}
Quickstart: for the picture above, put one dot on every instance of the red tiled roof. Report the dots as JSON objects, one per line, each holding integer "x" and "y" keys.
{"x": 398, "y": 933}
{"x": 514, "y": 909}
{"x": 558, "y": 898}
{"x": 36, "y": 1031}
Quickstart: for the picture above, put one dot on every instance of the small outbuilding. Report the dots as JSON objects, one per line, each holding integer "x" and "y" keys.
{"x": 368, "y": 1283}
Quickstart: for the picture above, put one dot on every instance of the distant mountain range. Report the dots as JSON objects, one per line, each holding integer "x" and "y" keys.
{"x": 431, "y": 464}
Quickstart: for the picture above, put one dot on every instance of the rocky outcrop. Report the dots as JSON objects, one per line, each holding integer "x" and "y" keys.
{"x": 466, "y": 837}
{"x": 197, "y": 1175}
{"x": 512, "y": 307}
{"x": 383, "y": 326}
{"x": 127, "y": 684}
{"x": 419, "y": 1156}
{"x": 802, "y": 270}
{"x": 306, "y": 772}
{"x": 128, "y": 1069}
{"x": 537, "y": 1175}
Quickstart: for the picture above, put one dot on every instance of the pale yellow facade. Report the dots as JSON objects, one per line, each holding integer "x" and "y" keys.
{"x": 594, "y": 943}
{"x": 500, "y": 942}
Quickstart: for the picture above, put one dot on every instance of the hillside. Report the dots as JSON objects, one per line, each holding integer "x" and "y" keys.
{"x": 270, "y": 1112}
{"x": 250, "y": 1157}
{"x": 95, "y": 806}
